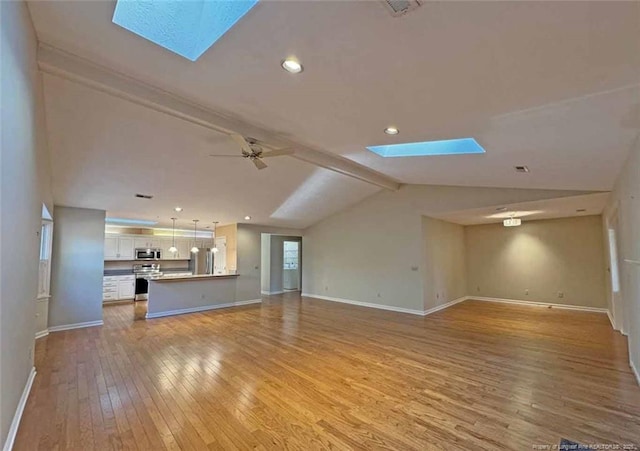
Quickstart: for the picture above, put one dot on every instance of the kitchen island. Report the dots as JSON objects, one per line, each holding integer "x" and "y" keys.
{"x": 186, "y": 294}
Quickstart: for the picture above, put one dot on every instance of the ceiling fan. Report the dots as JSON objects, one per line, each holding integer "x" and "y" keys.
{"x": 251, "y": 150}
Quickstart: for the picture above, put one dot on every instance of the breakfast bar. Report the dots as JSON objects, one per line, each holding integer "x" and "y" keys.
{"x": 186, "y": 294}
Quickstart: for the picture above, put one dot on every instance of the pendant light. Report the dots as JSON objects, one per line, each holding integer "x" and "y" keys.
{"x": 173, "y": 249}
{"x": 215, "y": 248}
{"x": 195, "y": 249}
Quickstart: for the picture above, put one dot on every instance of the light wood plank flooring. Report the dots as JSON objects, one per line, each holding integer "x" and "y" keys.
{"x": 310, "y": 374}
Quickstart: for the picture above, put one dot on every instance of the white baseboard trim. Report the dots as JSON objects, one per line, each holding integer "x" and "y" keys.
{"x": 42, "y": 333}
{"x": 203, "y": 308}
{"x": 13, "y": 430}
{"x": 366, "y": 304}
{"x": 611, "y": 319}
{"x": 539, "y": 304}
{"x": 75, "y": 326}
{"x": 444, "y": 306}
{"x": 635, "y": 371}
{"x": 270, "y": 293}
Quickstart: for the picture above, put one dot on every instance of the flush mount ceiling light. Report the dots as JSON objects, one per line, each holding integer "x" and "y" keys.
{"x": 173, "y": 249}
{"x": 460, "y": 146}
{"x": 178, "y": 209}
{"x": 247, "y": 218}
{"x": 187, "y": 28}
{"x": 391, "y": 131}
{"x": 292, "y": 65}
{"x": 195, "y": 249}
{"x": 512, "y": 222}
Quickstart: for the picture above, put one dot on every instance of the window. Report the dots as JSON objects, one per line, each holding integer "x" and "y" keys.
{"x": 291, "y": 254}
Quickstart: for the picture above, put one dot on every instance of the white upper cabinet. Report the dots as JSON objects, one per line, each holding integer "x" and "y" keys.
{"x": 118, "y": 247}
{"x": 110, "y": 247}
{"x": 125, "y": 248}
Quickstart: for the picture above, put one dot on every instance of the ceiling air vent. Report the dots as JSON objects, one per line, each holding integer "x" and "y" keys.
{"x": 143, "y": 196}
{"x": 400, "y": 7}
{"x": 521, "y": 169}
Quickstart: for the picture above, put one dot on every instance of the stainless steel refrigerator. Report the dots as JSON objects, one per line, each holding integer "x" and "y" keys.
{"x": 202, "y": 262}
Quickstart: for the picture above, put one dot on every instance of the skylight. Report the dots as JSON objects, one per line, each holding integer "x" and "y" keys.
{"x": 460, "y": 146}
{"x": 187, "y": 28}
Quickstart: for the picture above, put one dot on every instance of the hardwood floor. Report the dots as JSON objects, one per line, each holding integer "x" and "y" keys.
{"x": 310, "y": 374}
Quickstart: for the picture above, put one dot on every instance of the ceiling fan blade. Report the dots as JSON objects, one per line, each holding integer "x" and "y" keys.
{"x": 227, "y": 156}
{"x": 277, "y": 153}
{"x": 259, "y": 163}
{"x": 244, "y": 145}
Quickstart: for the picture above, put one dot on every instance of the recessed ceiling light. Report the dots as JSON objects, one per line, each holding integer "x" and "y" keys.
{"x": 391, "y": 131}
{"x": 178, "y": 209}
{"x": 292, "y": 65}
{"x": 247, "y": 218}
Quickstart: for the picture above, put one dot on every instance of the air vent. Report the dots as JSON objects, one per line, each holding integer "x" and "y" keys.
{"x": 400, "y": 7}
{"x": 501, "y": 209}
{"x": 143, "y": 196}
{"x": 581, "y": 210}
{"x": 521, "y": 169}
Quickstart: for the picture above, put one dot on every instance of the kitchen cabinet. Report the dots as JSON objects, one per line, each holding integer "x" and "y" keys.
{"x": 118, "y": 248}
{"x": 118, "y": 288}
{"x": 183, "y": 253}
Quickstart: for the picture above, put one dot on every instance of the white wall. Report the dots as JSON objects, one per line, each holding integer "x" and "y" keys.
{"x": 444, "y": 264}
{"x": 545, "y": 257}
{"x": 372, "y": 253}
{"x": 25, "y": 186}
{"x": 77, "y": 266}
{"x": 625, "y": 198}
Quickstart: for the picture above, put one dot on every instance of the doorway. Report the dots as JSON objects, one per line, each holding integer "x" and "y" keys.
{"x": 291, "y": 266}
{"x": 220, "y": 257}
{"x": 617, "y": 301}
{"x": 281, "y": 264}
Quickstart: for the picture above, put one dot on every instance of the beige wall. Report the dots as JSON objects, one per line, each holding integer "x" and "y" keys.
{"x": 77, "y": 266}
{"x": 25, "y": 186}
{"x": 372, "y": 252}
{"x": 249, "y": 282}
{"x": 544, "y": 257}
{"x": 231, "y": 233}
{"x": 444, "y": 268}
{"x": 625, "y": 203}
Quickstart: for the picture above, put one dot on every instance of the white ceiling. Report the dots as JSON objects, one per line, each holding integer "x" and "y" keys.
{"x": 105, "y": 150}
{"x": 552, "y": 85}
{"x": 563, "y": 207}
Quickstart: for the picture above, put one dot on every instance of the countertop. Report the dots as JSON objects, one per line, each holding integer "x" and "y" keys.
{"x": 129, "y": 272}
{"x": 192, "y": 278}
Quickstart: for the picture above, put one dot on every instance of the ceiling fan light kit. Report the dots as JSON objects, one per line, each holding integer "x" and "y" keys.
{"x": 252, "y": 150}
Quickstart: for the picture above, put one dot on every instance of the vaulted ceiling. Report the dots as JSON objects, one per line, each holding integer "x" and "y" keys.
{"x": 551, "y": 85}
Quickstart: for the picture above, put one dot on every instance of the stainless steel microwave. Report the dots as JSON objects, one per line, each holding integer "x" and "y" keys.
{"x": 148, "y": 254}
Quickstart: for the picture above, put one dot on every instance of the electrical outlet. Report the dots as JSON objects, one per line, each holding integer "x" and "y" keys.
{"x": 379, "y": 295}
{"x": 526, "y": 291}
{"x": 202, "y": 296}
{"x": 437, "y": 295}
{"x": 326, "y": 288}
{"x": 560, "y": 294}
{"x": 478, "y": 287}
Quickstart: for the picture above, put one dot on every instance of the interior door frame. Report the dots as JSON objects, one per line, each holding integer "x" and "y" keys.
{"x": 612, "y": 223}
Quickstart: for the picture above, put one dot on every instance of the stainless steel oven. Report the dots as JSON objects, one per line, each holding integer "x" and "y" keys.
{"x": 148, "y": 254}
